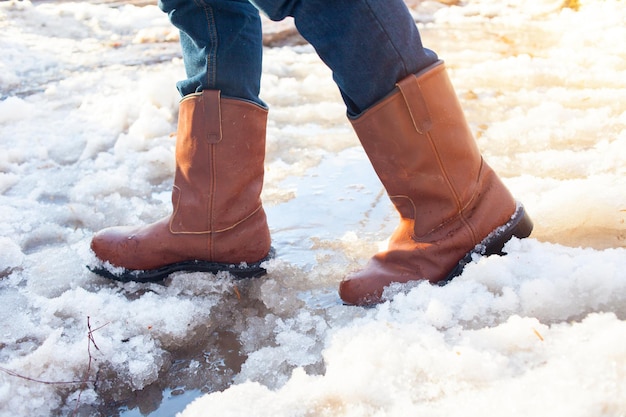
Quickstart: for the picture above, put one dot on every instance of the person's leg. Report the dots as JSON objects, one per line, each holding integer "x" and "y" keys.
{"x": 368, "y": 44}
{"x": 217, "y": 221}
{"x": 221, "y": 43}
{"x": 409, "y": 121}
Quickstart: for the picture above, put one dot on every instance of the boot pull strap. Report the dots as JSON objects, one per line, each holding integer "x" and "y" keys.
{"x": 414, "y": 99}
{"x": 212, "y": 114}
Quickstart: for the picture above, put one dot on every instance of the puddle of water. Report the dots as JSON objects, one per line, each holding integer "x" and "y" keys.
{"x": 174, "y": 401}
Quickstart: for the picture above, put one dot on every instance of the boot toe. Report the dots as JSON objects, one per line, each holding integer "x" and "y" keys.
{"x": 365, "y": 287}
{"x": 353, "y": 292}
{"x": 109, "y": 245}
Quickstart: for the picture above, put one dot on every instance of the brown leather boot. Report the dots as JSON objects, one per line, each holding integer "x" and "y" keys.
{"x": 218, "y": 222}
{"x": 451, "y": 203}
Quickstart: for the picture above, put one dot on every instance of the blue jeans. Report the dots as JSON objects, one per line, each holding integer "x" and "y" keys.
{"x": 368, "y": 44}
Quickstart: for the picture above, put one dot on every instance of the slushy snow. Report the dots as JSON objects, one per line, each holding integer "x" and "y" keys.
{"x": 88, "y": 112}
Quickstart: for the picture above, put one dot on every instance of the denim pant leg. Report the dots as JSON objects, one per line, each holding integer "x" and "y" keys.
{"x": 369, "y": 45}
{"x": 222, "y": 46}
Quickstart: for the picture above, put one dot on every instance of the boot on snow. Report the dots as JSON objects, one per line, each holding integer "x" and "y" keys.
{"x": 217, "y": 221}
{"x": 451, "y": 203}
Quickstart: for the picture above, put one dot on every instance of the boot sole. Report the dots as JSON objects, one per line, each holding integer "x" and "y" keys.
{"x": 519, "y": 226}
{"x": 252, "y": 270}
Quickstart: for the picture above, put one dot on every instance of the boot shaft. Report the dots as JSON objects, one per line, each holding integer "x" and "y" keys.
{"x": 220, "y": 152}
{"x": 423, "y": 151}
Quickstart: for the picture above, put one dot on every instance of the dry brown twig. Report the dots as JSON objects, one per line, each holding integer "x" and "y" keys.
{"x": 84, "y": 381}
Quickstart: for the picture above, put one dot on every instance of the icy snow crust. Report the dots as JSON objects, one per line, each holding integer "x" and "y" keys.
{"x": 87, "y": 111}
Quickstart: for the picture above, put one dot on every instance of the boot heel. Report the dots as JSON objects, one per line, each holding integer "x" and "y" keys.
{"x": 520, "y": 225}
